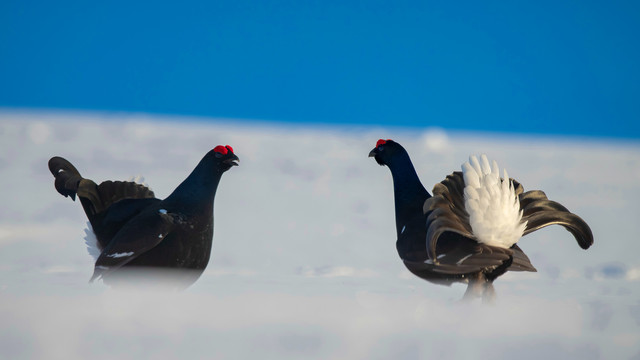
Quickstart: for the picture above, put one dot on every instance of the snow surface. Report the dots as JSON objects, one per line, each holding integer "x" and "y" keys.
{"x": 304, "y": 263}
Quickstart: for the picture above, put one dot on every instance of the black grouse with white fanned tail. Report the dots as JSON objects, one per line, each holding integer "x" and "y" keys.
{"x": 135, "y": 230}
{"x": 467, "y": 231}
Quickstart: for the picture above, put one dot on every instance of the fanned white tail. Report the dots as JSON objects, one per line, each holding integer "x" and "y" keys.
{"x": 492, "y": 204}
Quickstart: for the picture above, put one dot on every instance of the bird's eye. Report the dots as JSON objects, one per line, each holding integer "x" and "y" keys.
{"x": 218, "y": 155}
{"x": 380, "y": 148}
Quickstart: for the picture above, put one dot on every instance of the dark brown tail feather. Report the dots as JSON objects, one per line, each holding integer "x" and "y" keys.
{"x": 66, "y": 176}
{"x": 95, "y": 199}
{"x": 521, "y": 261}
{"x": 448, "y": 214}
{"x": 539, "y": 212}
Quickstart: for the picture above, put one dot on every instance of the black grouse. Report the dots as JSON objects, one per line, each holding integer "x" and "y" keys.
{"x": 169, "y": 239}
{"x": 467, "y": 231}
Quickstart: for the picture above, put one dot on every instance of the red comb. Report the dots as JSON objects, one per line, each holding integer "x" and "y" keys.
{"x": 382, "y": 142}
{"x": 221, "y": 149}
{"x": 229, "y": 148}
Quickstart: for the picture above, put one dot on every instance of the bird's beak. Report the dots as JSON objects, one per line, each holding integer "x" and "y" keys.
{"x": 373, "y": 152}
{"x": 233, "y": 161}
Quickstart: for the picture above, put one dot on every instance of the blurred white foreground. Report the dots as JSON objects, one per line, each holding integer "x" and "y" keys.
{"x": 304, "y": 262}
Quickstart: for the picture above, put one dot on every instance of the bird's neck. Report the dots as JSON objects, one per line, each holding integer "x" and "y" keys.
{"x": 198, "y": 190}
{"x": 408, "y": 191}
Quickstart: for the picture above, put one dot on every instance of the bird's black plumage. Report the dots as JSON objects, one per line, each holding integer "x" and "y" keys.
{"x": 135, "y": 230}
{"x": 434, "y": 237}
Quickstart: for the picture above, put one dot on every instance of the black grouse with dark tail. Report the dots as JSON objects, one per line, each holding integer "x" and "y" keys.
{"x": 168, "y": 239}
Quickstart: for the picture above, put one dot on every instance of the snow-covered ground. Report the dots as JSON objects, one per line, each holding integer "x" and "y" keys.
{"x": 304, "y": 262}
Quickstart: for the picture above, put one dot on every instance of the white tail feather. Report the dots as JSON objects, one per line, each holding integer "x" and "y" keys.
{"x": 92, "y": 242}
{"x": 139, "y": 179}
{"x": 492, "y": 204}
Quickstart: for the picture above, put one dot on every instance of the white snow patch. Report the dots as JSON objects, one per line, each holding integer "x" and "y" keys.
{"x": 633, "y": 274}
{"x": 232, "y": 272}
{"x": 42, "y": 234}
{"x": 436, "y": 140}
{"x": 59, "y": 269}
{"x": 570, "y": 273}
{"x": 39, "y": 132}
{"x": 5, "y": 233}
{"x": 338, "y": 271}
{"x": 337, "y": 230}
{"x": 626, "y": 339}
{"x": 493, "y": 207}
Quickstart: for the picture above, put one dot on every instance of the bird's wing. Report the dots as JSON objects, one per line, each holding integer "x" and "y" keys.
{"x": 521, "y": 261}
{"x": 107, "y": 225}
{"x": 454, "y": 265}
{"x": 539, "y": 212}
{"x": 458, "y": 255}
{"x": 136, "y": 237}
{"x": 446, "y": 213}
{"x": 126, "y": 209}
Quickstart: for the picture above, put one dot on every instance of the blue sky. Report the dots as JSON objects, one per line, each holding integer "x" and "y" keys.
{"x": 568, "y": 68}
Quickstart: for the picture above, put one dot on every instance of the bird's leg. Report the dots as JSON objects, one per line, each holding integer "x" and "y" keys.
{"x": 489, "y": 294}
{"x": 475, "y": 287}
{"x": 480, "y": 287}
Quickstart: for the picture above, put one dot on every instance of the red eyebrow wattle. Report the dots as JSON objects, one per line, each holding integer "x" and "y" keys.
{"x": 230, "y": 148}
{"x": 381, "y": 142}
{"x": 221, "y": 149}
